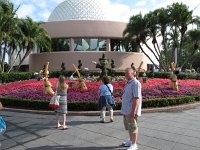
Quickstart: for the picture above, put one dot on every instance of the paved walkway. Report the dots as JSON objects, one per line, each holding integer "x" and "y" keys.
{"x": 158, "y": 131}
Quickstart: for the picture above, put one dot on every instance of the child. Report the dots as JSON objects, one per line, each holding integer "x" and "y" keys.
{"x": 61, "y": 90}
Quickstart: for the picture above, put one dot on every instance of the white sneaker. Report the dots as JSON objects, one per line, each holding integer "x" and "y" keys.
{"x": 133, "y": 147}
{"x": 127, "y": 143}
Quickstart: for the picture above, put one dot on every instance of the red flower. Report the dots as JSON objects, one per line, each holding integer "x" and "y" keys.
{"x": 153, "y": 88}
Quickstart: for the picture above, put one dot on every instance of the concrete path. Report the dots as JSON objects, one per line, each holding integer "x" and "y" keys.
{"x": 158, "y": 131}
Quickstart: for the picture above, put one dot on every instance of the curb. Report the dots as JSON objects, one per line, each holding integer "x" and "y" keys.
{"x": 116, "y": 112}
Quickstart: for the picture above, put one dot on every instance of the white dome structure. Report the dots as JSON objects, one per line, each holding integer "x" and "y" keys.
{"x": 79, "y": 10}
{"x": 82, "y": 30}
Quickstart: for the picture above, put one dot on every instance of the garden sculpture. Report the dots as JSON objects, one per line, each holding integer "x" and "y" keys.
{"x": 80, "y": 65}
{"x": 112, "y": 64}
{"x": 175, "y": 71}
{"x": 81, "y": 83}
{"x": 138, "y": 72}
{"x": 112, "y": 67}
{"x": 132, "y": 66}
{"x": 63, "y": 68}
{"x": 40, "y": 74}
{"x": 47, "y": 85}
{"x": 102, "y": 65}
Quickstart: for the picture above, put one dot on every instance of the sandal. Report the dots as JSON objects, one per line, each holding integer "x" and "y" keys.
{"x": 58, "y": 126}
{"x": 65, "y": 128}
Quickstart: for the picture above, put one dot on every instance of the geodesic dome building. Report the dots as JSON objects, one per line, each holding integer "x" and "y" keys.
{"x": 84, "y": 30}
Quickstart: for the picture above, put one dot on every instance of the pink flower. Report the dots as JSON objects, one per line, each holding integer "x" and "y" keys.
{"x": 153, "y": 88}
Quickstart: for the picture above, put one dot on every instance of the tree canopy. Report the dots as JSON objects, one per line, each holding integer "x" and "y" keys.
{"x": 19, "y": 36}
{"x": 163, "y": 33}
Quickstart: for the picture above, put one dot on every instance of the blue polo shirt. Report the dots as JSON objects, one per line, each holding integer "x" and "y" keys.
{"x": 104, "y": 89}
{"x": 131, "y": 90}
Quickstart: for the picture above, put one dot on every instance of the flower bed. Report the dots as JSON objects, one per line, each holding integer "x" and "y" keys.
{"x": 153, "y": 88}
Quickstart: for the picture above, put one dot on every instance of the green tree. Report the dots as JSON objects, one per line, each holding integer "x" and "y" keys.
{"x": 34, "y": 36}
{"x": 137, "y": 29}
{"x": 191, "y": 49}
{"x": 166, "y": 28}
{"x": 7, "y": 26}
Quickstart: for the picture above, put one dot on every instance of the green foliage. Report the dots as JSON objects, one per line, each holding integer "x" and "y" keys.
{"x": 163, "y": 102}
{"x": 17, "y": 76}
{"x": 92, "y": 106}
{"x": 162, "y": 74}
{"x": 187, "y": 75}
{"x": 11, "y": 77}
{"x": 25, "y": 103}
{"x": 170, "y": 24}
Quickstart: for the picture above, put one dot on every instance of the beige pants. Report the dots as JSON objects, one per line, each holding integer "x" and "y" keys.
{"x": 103, "y": 112}
{"x": 130, "y": 124}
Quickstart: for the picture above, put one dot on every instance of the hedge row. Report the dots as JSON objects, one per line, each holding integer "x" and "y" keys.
{"x": 13, "y": 76}
{"x": 17, "y": 76}
{"x": 92, "y": 106}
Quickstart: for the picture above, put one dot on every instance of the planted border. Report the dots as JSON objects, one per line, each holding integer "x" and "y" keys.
{"x": 92, "y": 106}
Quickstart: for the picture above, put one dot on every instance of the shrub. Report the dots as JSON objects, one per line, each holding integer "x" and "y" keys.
{"x": 92, "y": 106}
{"x": 13, "y": 76}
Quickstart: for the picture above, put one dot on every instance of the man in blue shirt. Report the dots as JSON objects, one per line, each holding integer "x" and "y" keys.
{"x": 131, "y": 107}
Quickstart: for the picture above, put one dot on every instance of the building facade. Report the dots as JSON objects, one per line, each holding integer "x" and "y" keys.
{"x": 83, "y": 30}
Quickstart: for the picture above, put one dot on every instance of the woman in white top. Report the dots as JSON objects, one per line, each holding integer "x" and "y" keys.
{"x": 106, "y": 99}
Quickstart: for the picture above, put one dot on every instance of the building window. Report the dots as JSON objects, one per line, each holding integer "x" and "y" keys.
{"x": 60, "y": 44}
{"x": 85, "y": 44}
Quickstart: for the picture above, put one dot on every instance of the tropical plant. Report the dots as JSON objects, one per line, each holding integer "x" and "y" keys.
{"x": 34, "y": 36}
{"x": 167, "y": 30}
{"x": 7, "y": 26}
{"x": 190, "y": 48}
{"x": 19, "y": 36}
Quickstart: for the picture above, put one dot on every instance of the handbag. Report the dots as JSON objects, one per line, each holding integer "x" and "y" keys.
{"x": 113, "y": 98}
{"x": 54, "y": 102}
{"x": 2, "y": 125}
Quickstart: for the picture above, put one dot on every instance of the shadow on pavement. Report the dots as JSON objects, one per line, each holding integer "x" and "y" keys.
{"x": 82, "y": 122}
{"x": 67, "y": 147}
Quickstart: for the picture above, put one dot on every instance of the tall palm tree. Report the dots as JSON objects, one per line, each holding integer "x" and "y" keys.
{"x": 17, "y": 45}
{"x": 170, "y": 24}
{"x": 137, "y": 29}
{"x": 163, "y": 20}
{"x": 181, "y": 17}
{"x": 7, "y": 23}
{"x": 33, "y": 35}
{"x": 191, "y": 45}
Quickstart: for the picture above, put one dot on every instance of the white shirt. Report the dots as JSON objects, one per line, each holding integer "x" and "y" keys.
{"x": 131, "y": 90}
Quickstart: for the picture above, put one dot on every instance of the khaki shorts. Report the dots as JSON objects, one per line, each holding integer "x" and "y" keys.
{"x": 130, "y": 124}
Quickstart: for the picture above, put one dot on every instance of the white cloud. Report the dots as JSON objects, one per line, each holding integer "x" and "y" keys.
{"x": 120, "y": 10}
{"x": 141, "y": 3}
{"x": 45, "y": 15}
{"x": 43, "y": 4}
{"x": 26, "y": 10}
{"x": 153, "y": 1}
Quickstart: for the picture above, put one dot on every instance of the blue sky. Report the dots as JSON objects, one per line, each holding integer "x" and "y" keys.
{"x": 39, "y": 10}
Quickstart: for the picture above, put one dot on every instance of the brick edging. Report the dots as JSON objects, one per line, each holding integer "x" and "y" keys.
{"x": 116, "y": 112}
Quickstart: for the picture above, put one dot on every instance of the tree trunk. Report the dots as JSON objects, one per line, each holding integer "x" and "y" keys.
{"x": 14, "y": 61}
{"x": 29, "y": 49}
